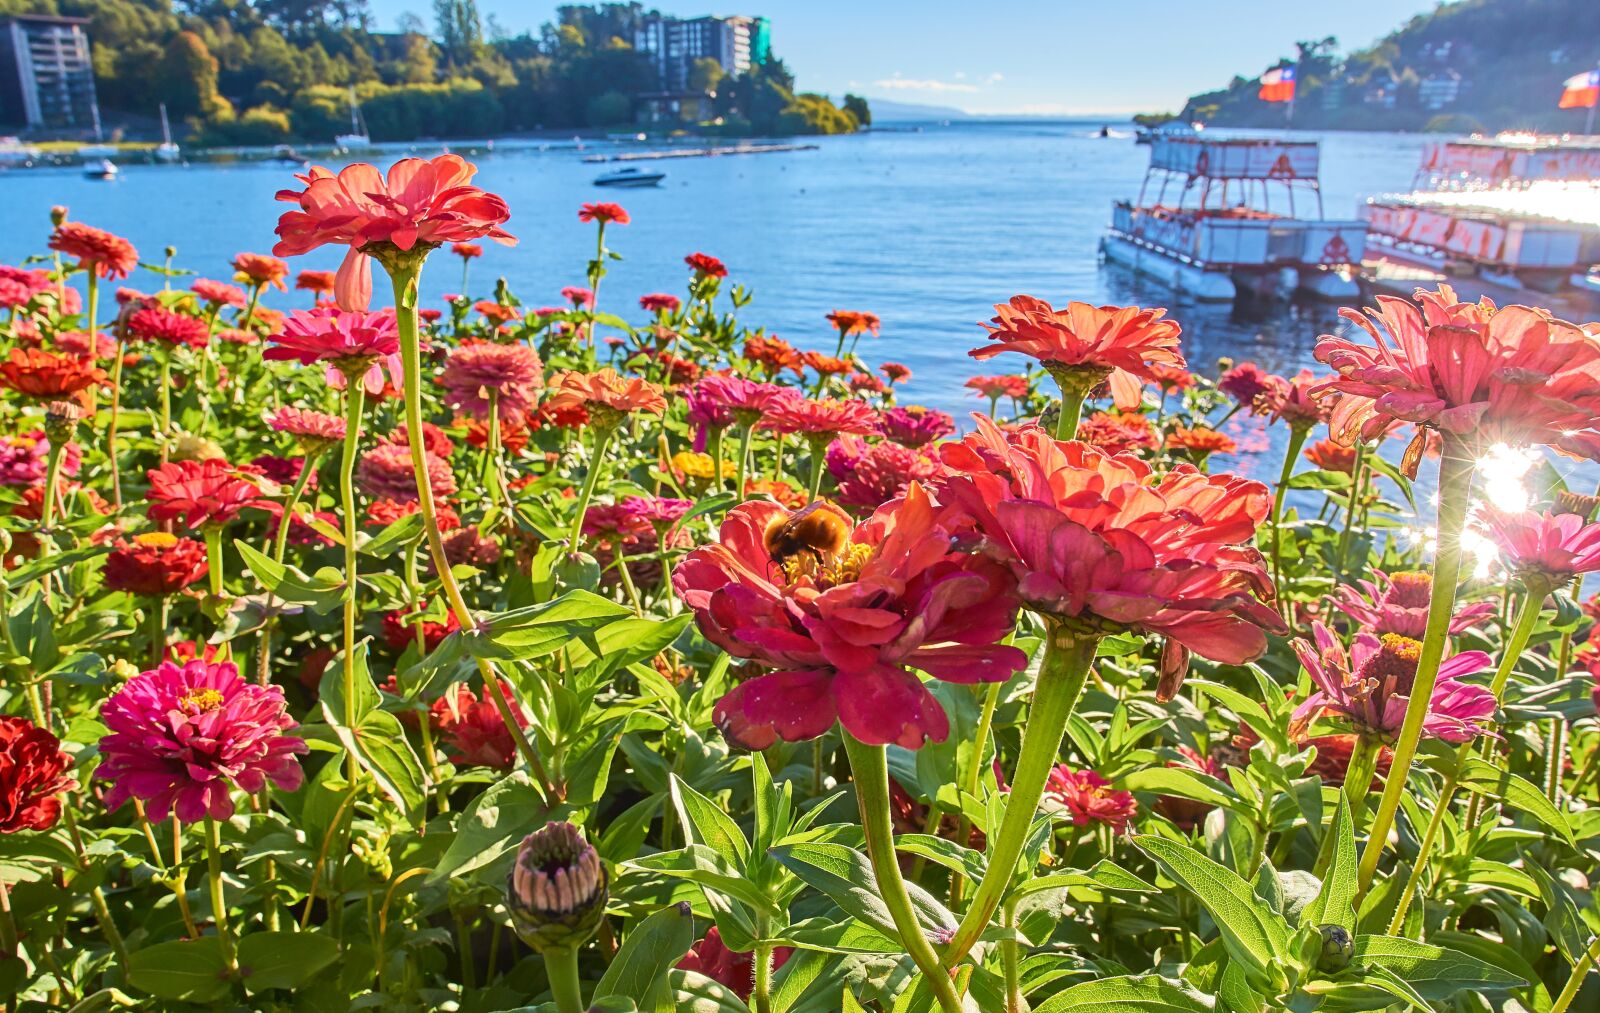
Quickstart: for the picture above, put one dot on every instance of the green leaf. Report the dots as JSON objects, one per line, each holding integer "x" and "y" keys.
{"x": 394, "y": 537}
{"x": 1501, "y": 785}
{"x": 1182, "y": 783}
{"x": 378, "y": 741}
{"x": 283, "y": 959}
{"x": 1105, "y": 875}
{"x": 27, "y": 572}
{"x": 947, "y": 854}
{"x": 693, "y": 992}
{"x": 1147, "y": 993}
{"x": 845, "y": 875}
{"x": 1335, "y": 903}
{"x": 639, "y": 970}
{"x": 707, "y": 823}
{"x": 699, "y": 864}
{"x": 1433, "y": 971}
{"x": 493, "y": 824}
{"x": 321, "y": 594}
{"x": 1255, "y": 935}
{"x": 188, "y": 970}
{"x": 543, "y": 629}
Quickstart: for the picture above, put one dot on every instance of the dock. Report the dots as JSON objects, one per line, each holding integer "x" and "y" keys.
{"x": 738, "y": 149}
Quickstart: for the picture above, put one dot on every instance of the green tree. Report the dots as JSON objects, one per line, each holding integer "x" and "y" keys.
{"x": 704, "y": 75}
{"x": 187, "y": 77}
{"x": 857, "y": 106}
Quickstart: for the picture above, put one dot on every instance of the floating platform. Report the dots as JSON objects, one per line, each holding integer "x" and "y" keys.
{"x": 740, "y": 149}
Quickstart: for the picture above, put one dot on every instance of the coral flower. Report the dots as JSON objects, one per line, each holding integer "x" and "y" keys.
{"x": 844, "y": 627}
{"x": 182, "y": 737}
{"x": 1119, "y": 433}
{"x": 578, "y": 296}
{"x": 849, "y": 322}
{"x": 434, "y": 440}
{"x": 821, "y": 419}
{"x": 385, "y": 512}
{"x": 217, "y": 293}
{"x": 315, "y": 282}
{"x": 915, "y": 426}
{"x": 706, "y": 266}
{"x": 1090, "y": 799}
{"x": 1370, "y": 686}
{"x": 604, "y": 213}
{"x": 107, "y": 255}
{"x": 466, "y": 251}
{"x": 1102, "y": 544}
{"x": 385, "y": 472}
{"x": 1083, "y": 344}
{"x": 1330, "y": 456}
{"x": 826, "y": 365}
{"x": 772, "y": 352}
{"x": 659, "y": 302}
{"x": 261, "y": 270}
{"x": 47, "y": 376}
{"x": 33, "y": 771}
{"x": 155, "y": 563}
{"x": 420, "y": 205}
{"x": 156, "y": 324}
{"x": 473, "y": 732}
{"x": 496, "y": 313}
{"x": 1290, "y": 399}
{"x": 477, "y": 369}
{"x": 198, "y": 492}
{"x": 605, "y": 395}
{"x": 1513, "y": 375}
{"x": 870, "y": 474}
{"x": 1544, "y": 550}
{"x": 313, "y": 431}
{"x": 996, "y": 387}
{"x": 733, "y": 969}
{"x": 1171, "y": 378}
{"x": 1199, "y": 443}
{"x": 1398, "y": 603}
{"x": 895, "y": 372}
{"x": 1245, "y": 382}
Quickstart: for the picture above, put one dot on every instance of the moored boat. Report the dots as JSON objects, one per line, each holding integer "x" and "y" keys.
{"x": 103, "y": 168}
{"x": 1220, "y": 237}
{"x": 631, "y": 176}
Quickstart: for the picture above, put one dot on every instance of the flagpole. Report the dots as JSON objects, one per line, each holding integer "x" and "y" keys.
{"x": 1288, "y": 115}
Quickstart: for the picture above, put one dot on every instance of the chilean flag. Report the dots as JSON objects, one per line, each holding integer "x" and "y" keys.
{"x": 1581, "y": 91}
{"x": 1277, "y": 85}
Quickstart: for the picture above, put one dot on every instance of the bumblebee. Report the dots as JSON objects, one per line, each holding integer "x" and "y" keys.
{"x": 819, "y": 528}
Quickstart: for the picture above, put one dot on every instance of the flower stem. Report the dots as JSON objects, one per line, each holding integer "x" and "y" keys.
{"x": 744, "y": 459}
{"x": 404, "y": 280}
{"x": 1358, "y": 478}
{"x": 818, "y": 462}
{"x": 1297, "y": 439}
{"x": 355, "y": 395}
{"x": 969, "y": 785}
{"x": 761, "y": 992}
{"x": 165, "y": 392}
{"x": 219, "y": 906}
{"x": 561, "y": 967}
{"x": 1581, "y": 971}
{"x": 1455, "y": 487}
{"x": 602, "y": 442}
{"x": 280, "y": 546}
{"x": 214, "y": 557}
{"x": 1062, "y": 674}
{"x": 869, "y": 768}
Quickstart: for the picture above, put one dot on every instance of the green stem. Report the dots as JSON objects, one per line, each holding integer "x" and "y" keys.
{"x": 1297, "y": 439}
{"x": 214, "y": 558}
{"x": 970, "y": 778}
{"x": 1455, "y": 487}
{"x": 1579, "y": 973}
{"x": 714, "y": 445}
{"x": 761, "y": 992}
{"x": 1528, "y": 613}
{"x": 1358, "y": 477}
{"x": 744, "y": 460}
{"x": 818, "y": 463}
{"x": 355, "y": 395}
{"x": 219, "y": 906}
{"x": 1555, "y": 759}
{"x": 280, "y": 543}
{"x": 1071, "y": 411}
{"x": 561, "y": 967}
{"x": 869, "y": 768}
{"x": 602, "y": 441}
{"x": 1062, "y": 674}
{"x": 1446, "y": 794}
{"x": 166, "y": 400}
{"x": 1009, "y": 964}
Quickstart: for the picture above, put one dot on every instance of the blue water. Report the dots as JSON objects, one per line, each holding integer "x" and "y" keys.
{"x": 927, "y": 229}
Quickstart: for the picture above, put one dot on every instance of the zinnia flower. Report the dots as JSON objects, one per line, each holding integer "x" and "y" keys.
{"x": 915, "y": 426}
{"x": 705, "y": 266}
{"x": 733, "y": 969}
{"x": 659, "y": 302}
{"x": 198, "y": 492}
{"x": 1513, "y": 375}
{"x": 1544, "y": 550}
{"x": 604, "y": 394}
{"x": 466, "y": 251}
{"x": 1329, "y": 456}
{"x": 25, "y": 458}
{"x": 1084, "y": 344}
{"x": 217, "y": 293}
{"x": 1199, "y": 443}
{"x": 156, "y": 324}
{"x": 894, "y": 372}
{"x": 261, "y": 270}
{"x": 1291, "y": 400}
{"x": 843, "y": 624}
{"x": 182, "y": 737}
{"x": 313, "y": 431}
{"x": 1398, "y": 603}
{"x": 385, "y": 472}
{"x": 1370, "y": 687}
{"x": 1089, "y": 798}
{"x": 420, "y": 205}
{"x": 820, "y": 419}
{"x": 578, "y": 296}
{"x": 400, "y": 630}
{"x": 1244, "y": 383}
{"x": 850, "y": 322}
{"x": 513, "y": 373}
{"x": 996, "y": 387}
{"x": 604, "y": 213}
{"x": 46, "y": 376}
{"x": 155, "y": 563}
{"x": 315, "y": 282}
{"x": 33, "y": 771}
{"x": 472, "y": 730}
{"x": 496, "y": 313}
{"x": 1119, "y": 433}
{"x": 347, "y": 339}
{"x": 107, "y": 255}
{"x": 1102, "y": 544}
{"x": 772, "y": 352}
{"x": 870, "y": 474}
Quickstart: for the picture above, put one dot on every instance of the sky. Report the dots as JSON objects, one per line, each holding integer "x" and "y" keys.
{"x": 1020, "y": 56}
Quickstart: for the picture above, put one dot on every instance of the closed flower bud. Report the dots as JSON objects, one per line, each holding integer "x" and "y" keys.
{"x": 557, "y": 890}
{"x": 1337, "y": 949}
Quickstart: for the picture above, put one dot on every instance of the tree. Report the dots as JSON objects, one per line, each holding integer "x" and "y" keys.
{"x": 857, "y": 106}
{"x": 187, "y": 80}
{"x": 460, "y": 30}
{"x": 704, "y": 75}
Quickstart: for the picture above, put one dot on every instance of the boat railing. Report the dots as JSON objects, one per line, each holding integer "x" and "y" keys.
{"x": 1502, "y": 242}
{"x": 1221, "y": 239}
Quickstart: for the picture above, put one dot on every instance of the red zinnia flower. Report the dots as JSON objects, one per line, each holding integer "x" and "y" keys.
{"x": 155, "y": 563}
{"x": 821, "y": 419}
{"x": 855, "y": 322}
{"x": 603, "y": 213}
{"x": 706, "y": 266}
{"x": 1118, "y": 343}
{"x": 182, "y": 737}
{"x": 107, "y": 255}
{"x": 895, "y": 372}
{"x": 46, "y": 376}
{"x": 659, "y": 302}
{"x": 400, "y": 631}
{"x": 385, "y": 512}
{"x": 261, "y": 270}
{"x": 420, "y": 204}
{"x": 198, "y": 492}
{"x": 1089, "y": 798}
{"x": 496, "y": 313}
{"x": 1245, "y": 382}
{"x": 317, "y": 282}
{"x": 466, "y": 251}
{"x": 473, "y": 732}
{"x": 512, "y": 372}
{"x": 157, "y": 324}
{"x": 1171, "y": 378}
{"x": 578, "y": 296}
{"x": 33, "y": 771}
{"x": 842, "y": 626}
{"x": 826, "y": 365}
{"x": 733, "y": 969}
{"x": 434, "y": 440}
{"x": 1120, "y": 433}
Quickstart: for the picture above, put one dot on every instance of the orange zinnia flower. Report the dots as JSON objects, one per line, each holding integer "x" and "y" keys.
{"x": 318, "y": 282}
{"x": 1330, "y": 456}
{"x": 604, "y": 394}
{"x": 259, "y": 269}
{"x": 1082, "y": 344}
{"x": 1199, "y": 442}
{"x": 855, "y": 322}
{"x": 48, "y": 376}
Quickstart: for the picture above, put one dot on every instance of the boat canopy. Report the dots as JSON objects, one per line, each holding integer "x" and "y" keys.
{"x": 1235, "y": 159}
{"x": 1455, "y": 165}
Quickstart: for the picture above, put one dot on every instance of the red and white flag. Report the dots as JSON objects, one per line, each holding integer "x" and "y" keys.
{"x": 1581, "y": 91}
{"x": 1277, "y": 85}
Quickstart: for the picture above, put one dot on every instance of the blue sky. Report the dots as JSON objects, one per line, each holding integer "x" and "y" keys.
{"x": 1021, "y": 56}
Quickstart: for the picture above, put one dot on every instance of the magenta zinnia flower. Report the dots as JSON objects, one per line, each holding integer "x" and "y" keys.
{"x": 1370, "y": 687}
{"x": 1398, "y": 603}
{"x": 869, "y": 474}
{"x": 513, "y": 372}
{"x": 25, "y": 458}
{"x": 843, "y": 628}
{"x": 821, "y": 419}
{"x": 182, "y": 737}
{"x": 346, "y": 339}
{"x": 1089, "y": 798}
{"x": 915, "y": 426}
{"x": 385, "y": 472}
{"x": 312, "y": 430}
{"x": 1544, "y": 549}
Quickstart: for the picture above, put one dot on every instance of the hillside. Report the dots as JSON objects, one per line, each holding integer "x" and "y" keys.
{"x": 1471, "y": 65}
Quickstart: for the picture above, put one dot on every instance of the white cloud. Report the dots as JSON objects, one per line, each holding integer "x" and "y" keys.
{"x": 912, "y": 84}
{"x": 994, "y": 78}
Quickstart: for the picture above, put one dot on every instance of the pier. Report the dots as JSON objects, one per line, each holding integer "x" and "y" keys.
{"x": 738, "y": 149}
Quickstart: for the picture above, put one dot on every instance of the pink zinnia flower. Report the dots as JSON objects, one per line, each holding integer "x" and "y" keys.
{"x": 914, "y": 425}
{"x": 996, "y": 387}
{"x": 1398, "y": 603}
{"x": 182, "y": 737}
{"x": 1089, "y": 798}
{"x": 198, "y": 492}
{"x": 512, "y": 372}
{"x": 1119, "y": 343}
{"x": 1370, "y": 687}
{"x": 1514, "y": 375}
{"x": 385, "y": 472}
{"x": 1104, "y": 542}
{"x": 579, "y": 297}
{"x": 1290, "y": 399}
{"x": 1544, "y": 550}
{"x": 821, "y": 419}
{"x": 25, "y": 458}
{"x": 420, "y": 204}
{"x": 1245, "y": 382}
{"x": 659, "y": 302}
{"x": 870, "y": 474}
{"x": 342, "y": 338}
{"x": 844, "y": 627}
{"x": 217, "y": 293}
{"x": 97, "y": 250}
{"x": 157, "y": 324}
{"x": 312, "y": 430}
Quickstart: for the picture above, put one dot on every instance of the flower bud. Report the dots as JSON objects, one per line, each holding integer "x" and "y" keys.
{"x": 61, "y": 421}
{"x": 557, "y": 889}
{"x": 58, "y": 214}
{"x": 1337, "y": 949}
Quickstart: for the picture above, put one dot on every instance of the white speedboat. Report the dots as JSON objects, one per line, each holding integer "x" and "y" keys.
{"x": 104, "y": 168}
{"x": 632, "y": 176}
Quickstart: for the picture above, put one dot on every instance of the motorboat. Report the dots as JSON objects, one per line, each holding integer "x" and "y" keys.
{"x": 103, "y": 168}
{"x": 632, "y": 176}
{"x": 287, "y": 154}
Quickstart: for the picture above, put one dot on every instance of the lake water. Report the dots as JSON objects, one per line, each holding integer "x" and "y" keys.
{"x": 928, "y": 229}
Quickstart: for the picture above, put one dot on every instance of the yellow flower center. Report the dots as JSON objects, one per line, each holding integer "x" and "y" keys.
{"x": 201, "y": 700}
{"x": 828, "y": 571}
{"x": 156, "y": 540}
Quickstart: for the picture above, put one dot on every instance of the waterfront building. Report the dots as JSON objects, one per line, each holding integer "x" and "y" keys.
{"x": 674, "y": 44}
{"x": 46, "y": 77}
{"x": 1439, "y": 89}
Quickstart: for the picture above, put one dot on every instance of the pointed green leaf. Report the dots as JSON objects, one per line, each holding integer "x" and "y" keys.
{"x": 1147, "y": 993}
{"x": 1255, "y": 935}
{"x": 1335, "y": 903}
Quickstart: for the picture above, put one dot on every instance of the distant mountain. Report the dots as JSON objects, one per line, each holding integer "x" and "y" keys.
{"x": 885, "y": 111}
{"x": 1470, "y": 65}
